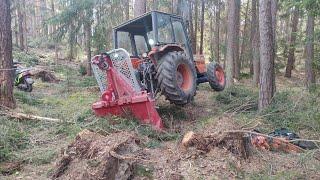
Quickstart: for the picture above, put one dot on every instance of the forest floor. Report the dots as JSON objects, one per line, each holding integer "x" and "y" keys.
{"x": 38, "y": 145}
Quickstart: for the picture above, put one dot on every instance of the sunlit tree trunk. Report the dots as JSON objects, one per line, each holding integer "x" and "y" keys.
{"x": 310, "y": 78}
{"x": 266, "y": 54}
{"x": 292, "y": 41}
{"x": 6, "y": 74}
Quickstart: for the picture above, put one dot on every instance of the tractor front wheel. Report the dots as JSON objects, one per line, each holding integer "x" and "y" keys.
{"x": 216, "y": 76}
{"x": 176, "y": 77}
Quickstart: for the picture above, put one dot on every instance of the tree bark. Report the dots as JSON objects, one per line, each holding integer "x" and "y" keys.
{"x": 20, "y": 22}
{"x": 202, "y": 27}
{"x": 274, "y": 10}
{"x": 6, "y": 64}
{"x": 255, "y": 44}
{"x": 139, "y": 7}
{"x": 236, "y": 59}
{"x": 127, "y": 9}
{"x": 25, "y": 28}
{"x": 292, "y": 41}
{"x": 266, "y": 54}
{"x": 195, "y": 26}
{"x": 87, "y": 29}
{"x": 231, "y": 37}
{"x": 243, "y": 44}
{"x": 217, "y": 32}
{"x": 310, "y": 78}
{"x": 191, "y": 29}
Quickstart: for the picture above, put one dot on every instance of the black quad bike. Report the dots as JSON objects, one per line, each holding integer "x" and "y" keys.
{"x": 22, "y": 78}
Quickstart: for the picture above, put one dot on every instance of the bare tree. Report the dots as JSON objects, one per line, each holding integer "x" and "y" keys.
{"x": 139, "y": 7}
{"x": 310, "y": 79}
{"x": 6, "y": 71}
{"x": 266, "y": 54}
{"x": 292, "y": 41}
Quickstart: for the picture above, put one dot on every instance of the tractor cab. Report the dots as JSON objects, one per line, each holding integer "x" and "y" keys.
{"x": 152, "y": 33}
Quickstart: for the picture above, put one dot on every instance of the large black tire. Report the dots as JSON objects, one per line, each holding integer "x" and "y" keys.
{"x": 176, "y": 76}
{"x": 217, "y": 83}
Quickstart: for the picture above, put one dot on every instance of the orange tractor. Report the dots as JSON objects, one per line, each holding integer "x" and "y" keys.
{"x": 152, "y": 56}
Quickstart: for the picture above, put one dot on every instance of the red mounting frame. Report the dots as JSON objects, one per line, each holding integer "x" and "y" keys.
{"x": 120, "y": 97}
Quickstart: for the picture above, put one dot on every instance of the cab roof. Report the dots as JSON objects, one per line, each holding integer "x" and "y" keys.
{"x": 141, "y": 24}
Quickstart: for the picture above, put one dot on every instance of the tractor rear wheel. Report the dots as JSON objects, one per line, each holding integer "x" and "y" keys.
{"x": 176, "y": 77}
{"x": 216, "y": 76}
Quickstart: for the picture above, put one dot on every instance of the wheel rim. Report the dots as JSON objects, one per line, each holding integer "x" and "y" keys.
{"x": 184, "y": 77}
{"x": 219, "y": 73}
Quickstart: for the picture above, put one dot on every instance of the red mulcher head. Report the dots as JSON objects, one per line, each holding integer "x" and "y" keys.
{"x": 122, "y": 93}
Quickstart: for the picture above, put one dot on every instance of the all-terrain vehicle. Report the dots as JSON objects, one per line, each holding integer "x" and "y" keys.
{"x": 153, "y": 54}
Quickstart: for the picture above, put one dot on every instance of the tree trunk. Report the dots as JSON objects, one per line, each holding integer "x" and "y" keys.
{"x": 310, "y": 79}
{"x": 274, "y": 10}
{"x": 202, "y": 27}
{"x": 191, "y": 29}
{"x": 292, "y": 41}
{"x": 25, "y": 28}
{"x": 87, "y": 31}
{"x": 231, "y": 37}
{"x": 6, "y": 73}
{"x": 211, "y": 42}
{"x": 16, "y": 27}
{"x": 139, "y": 7}
{"x": 217, "y": 32}
{"x": 127, "y": 9}
{"x": 44, "y": 26}
{"x": 195, "y": 26}
{"x": 266, "y": 54}
{"x": 243, "y": 44}
{"x": 255, "y": 44}
{"x": 20, "y": 22}
{"x": 236, "y": 59}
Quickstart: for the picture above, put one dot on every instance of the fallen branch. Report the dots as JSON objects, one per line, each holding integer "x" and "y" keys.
{"x": 18, "y": 115}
